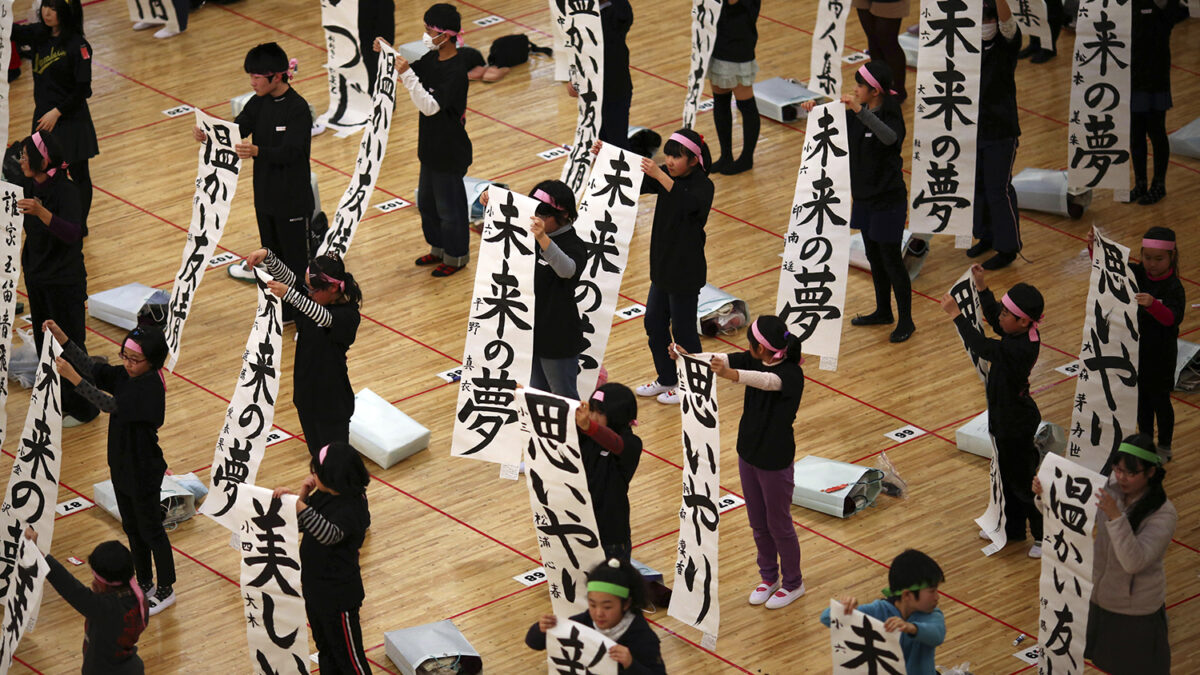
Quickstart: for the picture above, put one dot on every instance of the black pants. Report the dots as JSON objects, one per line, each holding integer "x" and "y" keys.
{"x": 63, "y": 304}
{"x": 670, "y": 315}
{"x": 1155, "y": 381}
{"x": 890, "y": 277}
{"x": 81, "y": 175}
{"x": 322, "y": 429}
{"x": 141, "y": 517}
{"x": 996, "y": 216}
{"x": 287, "y": 237}
{"x": 442, "y": 202}
{"x": 1054, "y": 17}
{"x": 376, "y": 18}
{"x": 338, "y": 637}
{"x": 614, "y": 118}
{"x": 1018, "y": 460}
{"x": 1154, "y": 125}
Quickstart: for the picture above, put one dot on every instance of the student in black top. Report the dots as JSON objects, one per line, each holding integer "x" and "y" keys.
{"x": 134, "y": 394}
{"x": 997, "y": 224}
{"x": 677, "y": 266}
{"x": 766, "y": 445}
{"x": 1150, "y": 98}
{"x": 52, "y": 256}
{"x": 561, "y": 258}
{"x": 731, "y": 72}
{"x": 876, "y": 133}
{"x": 62, "y": 84}
{"x": 1013, "y": 416}
{"x": 611, "y": 452}
{"x": 326, "y": 325}
{"x": 437, "y": 85}
{"x": 376, "y": 19}
{"x": 1161, "y": 303}
{"x": 1035, "y": 51}
{"x": 114, "y": 608}
{"x": 616, "y": 18}
{"x": 616, "y": 596}
{"x": 280, "y": 122}
{"x": 332, "y": 512}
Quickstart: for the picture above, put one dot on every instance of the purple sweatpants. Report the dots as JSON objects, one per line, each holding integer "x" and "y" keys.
{"x": 768, "y": 497}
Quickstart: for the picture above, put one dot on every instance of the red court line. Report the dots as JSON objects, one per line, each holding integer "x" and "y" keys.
{"x": 1021, "y": 670}
{"x": 405, "y": 398}
{"x": 15, "y": 657}
{"x": 272, "y": 28}
{"x": 1176, "y": 604}
{"x": 409, "y": 337}
{"x": 118, "y": 73}
{"x": 514, "y": 127}
{"x": 490, "y": 602}
{"x": 140, "y": 126}
{"x": 773, "y": 268}
{"x": 524, "y": 168}
{"x": 661, "y": 536}
{"x": 746, "y": 222}
{"x": 198, "y": 562}
{"x": 697, "y": 646}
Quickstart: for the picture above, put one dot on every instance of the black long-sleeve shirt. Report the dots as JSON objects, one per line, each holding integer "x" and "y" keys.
{"x": 998, "y": 88}
{"x": 876, "y": 168}
{"x": 62, "y": 69}
{"x": 616, "y": 18}
{"x": 53, "y": 254}
{"x": 112, "y": 625}
{"x": 1151, "y": 44}
{"x": 677, "y": 262}
{"x": 442, "y": 140}
{"x": 639, "y": 638}
{"x": 610, "y": 460}
{"x": 281, "y": 127}
{"x": 333, "y": 535}
{"x": 737, "y": 34}
{"x": 1157, "y": 343}
{"x": 1012, "y": 412}
{"x": 557, "y": 328}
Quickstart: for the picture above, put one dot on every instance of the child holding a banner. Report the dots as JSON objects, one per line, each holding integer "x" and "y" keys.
{"x": 332, "y": 512}
{"x": 909, "y": 605}
{"x": 616, "y": 596}
{"x": 731, "y": 71}
{"x": 876, "y": 132}
{"x": 677, "y": 265}
{"x": 1013, "y": 416}
{"x": 326, "y": 325}
{"x": 62, "y": 84}
{"x": 134, "y": 394}
{"x": 611, "y": 452}
{"x": 437, "y": 85}
{"x": 766, "y": 445}
{"x": 52, "y": 256}
{"x": 114, "y": 608}
{"x": 1127, "y": 620}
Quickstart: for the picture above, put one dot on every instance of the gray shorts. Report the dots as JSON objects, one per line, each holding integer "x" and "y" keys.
{"x": 727, "y": 74}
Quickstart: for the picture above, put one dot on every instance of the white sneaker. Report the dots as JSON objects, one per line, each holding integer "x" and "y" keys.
{"x": 1036, "y": 551}
{"x": 240, "y": 272}
{"x": 761, "y": 592}
{"x": 70, "y": 421}
{"x": 145, "y": 25}
{"x": 157, "y": 605}
{"x": 164, "y": 33}
{"x": 781, "y": 598}
{"x": 652, "y": 389}
{"x": 669, "y": 397}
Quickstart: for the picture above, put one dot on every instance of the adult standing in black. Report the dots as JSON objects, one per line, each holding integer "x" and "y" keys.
{"x": 732, "y": 70}
{"x": 1035, "y": 51}
{"x": 1153, "y": 21}
{"x": 880, "y": 20}
{"x": 279, "y": 121}
{"x": 62, "y": 84}
{"x": 52, "y": 257}
{"x": 616, "y": 18}
{"x": 376, "y": 19}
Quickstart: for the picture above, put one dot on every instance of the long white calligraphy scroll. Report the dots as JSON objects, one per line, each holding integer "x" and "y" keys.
{"x": 1032, "y": 17}
{"x": 860, "y": 644}
{"x": 816, "y": 252}
{"x": 585, "y": 54}
{"x": 993, "y": 521}
{"x": 559, "y": 24}
{"x": 23, "y": 600}
{"x": 217, "y": 173}
{"x": 154, "y": 11}
{"x": 563, "y": 520}
{"x": 704, "y": 33}
{"x": 11, "y": 226}
{"x": 966, "y": 296}
{"x": 1069, "y": 498}
{"x": 371, "y": 150}
{"x": 498, "y": 353}
{"x": 243, "y": 438}
{"x": 6, "y": 21}
{"x": 349, "y": 98}
{"x": 1098, "y": 131}
{"x": 944, "y": 136}
{"x": 32, "y": 488}
{"x": 271, "y": 597}
{"x": 575, "y": 649}
{"x": 694, "y": 598}
{"x": 607, "y": 216}
{"x": 1105, "y": 409}
{"x": 829, "y": 41}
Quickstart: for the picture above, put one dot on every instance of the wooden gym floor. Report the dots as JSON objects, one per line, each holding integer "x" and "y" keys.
{"x": 448, "y": 534}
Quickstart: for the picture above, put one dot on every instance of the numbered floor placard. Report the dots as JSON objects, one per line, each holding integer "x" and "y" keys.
{"x": 905, "y": 433}
{"x": 532, "y": 577}
{"x": 72, "y": 505}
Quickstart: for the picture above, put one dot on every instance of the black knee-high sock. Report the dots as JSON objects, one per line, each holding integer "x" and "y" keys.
{"x": 901, "y": 285}
{"x": 751, "y": 123}
{"x": 1156, "y": 128}
{"x": 879, "y": 277}
{"x": 723, "y": 121}
{"x": 888, "y": 36}
{"x": 82, "y": 176}
{"x": 1137, "y": 146}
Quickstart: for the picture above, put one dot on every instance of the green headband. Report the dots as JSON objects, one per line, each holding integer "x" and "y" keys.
{"x": 889, "y": 593}
{"x": 610, "y": 588}
{"x": 1140, "y": 453}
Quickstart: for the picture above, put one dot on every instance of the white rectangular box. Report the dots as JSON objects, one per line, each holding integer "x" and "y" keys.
{"x": 383, "y": 434}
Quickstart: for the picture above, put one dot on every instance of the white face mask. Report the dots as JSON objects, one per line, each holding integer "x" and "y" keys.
{"x": 989, "y": 31}
{"x": 427, "y": 40}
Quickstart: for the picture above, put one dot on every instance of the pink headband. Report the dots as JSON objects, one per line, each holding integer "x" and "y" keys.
{"x": 689, "y": 144}
{"x": 321, "y": 455}
{"x": 1158, "y": 243}
{"x": 775, "y": 353}
{"x": 866, "y": 75}
{"x": 137, "y": 591}
{"x": 41, "y": 146}
{"x": 135, "y": 347}
{"x": 341, "y": 285}
{"x": 458, "y": 35}
{"x": 1033, "y": 323}
{"x": 546, "y": 199}
{"x": 598, "y": 396}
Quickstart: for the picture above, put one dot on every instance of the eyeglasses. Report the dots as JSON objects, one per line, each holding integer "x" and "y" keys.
{"x": 1118, "y": 469}
{"x": 132, "y": 358}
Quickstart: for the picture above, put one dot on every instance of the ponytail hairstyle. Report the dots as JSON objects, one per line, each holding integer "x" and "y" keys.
{"x": 676, "y": 148}
{"x": 769, "y": 332}
{"x": 879, "y": 71}
{"x": 619, "y": 572}
{"x": 47, "y": 163}
{"x": 618, "y": 405}
{"x": 555, "y": 200}
{"x": 1164, "y": 234}
{"x": 152, "y": 343}
{"x": 1155, "y": 496}
{"x": 326, "y": 271}
{"x": 340, "y": 468}
{"x": 70, "y": 16}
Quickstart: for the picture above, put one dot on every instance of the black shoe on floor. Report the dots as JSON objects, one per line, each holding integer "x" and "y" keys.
{"x": 872, "y": 319}
{"x": 902, "y": 334}
{"x": 720, "y": 165}
{"x": 1000, "y": 260}
{"x": 1138, "y": 192}
{"x": 739, "y": 165}
{"x": 1043, "y": 56}
{"x": 1154, "y": 195}
{"x": 979, "y": 249}
{"x": 1029, "y": 51}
